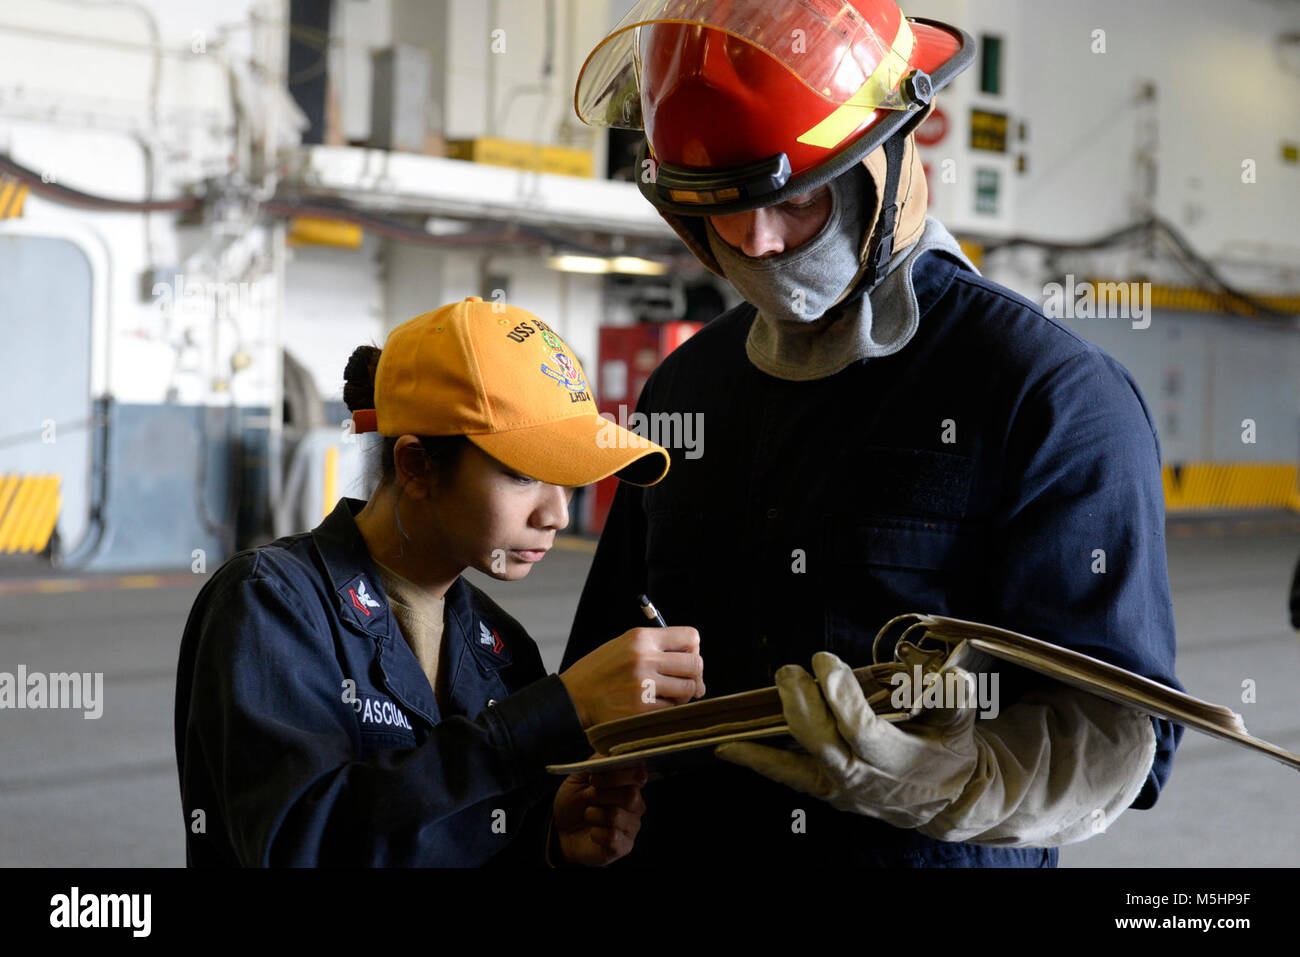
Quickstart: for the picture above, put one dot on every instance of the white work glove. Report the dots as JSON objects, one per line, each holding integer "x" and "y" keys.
{"x": 1054, "y": 768}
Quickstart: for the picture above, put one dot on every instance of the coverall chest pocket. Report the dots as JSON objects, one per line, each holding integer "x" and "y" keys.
{"x": 376, "y": 742}
{"x": 909, "y": 548}
{"x": 887, "y": 567}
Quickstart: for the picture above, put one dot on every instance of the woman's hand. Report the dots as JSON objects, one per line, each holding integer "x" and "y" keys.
{"x": 597, "y": 816}
{"x": 641, "y": 670}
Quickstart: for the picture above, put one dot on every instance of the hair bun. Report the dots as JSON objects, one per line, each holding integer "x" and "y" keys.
{"x": 359, "y": 378}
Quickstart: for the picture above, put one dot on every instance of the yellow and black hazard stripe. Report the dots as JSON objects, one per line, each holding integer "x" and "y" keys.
{"x": 12, "y": 196}
{"x": 1192, "y": 299}
{"x": 1195, "y": 486}
{"x": 29, "y": 507}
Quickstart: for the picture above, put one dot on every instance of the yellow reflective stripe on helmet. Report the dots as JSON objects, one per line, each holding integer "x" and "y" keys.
{"x": 849, "y": 115}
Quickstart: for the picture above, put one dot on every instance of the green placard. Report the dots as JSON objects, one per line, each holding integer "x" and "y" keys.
{"x": 991, "y": 65}
{"x": 987, "y": 187}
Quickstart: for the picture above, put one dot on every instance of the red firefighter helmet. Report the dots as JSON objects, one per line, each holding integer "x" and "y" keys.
{"x": 745, "y": 103}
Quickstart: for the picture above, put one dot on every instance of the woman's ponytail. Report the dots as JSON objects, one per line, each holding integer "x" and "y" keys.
{"x": 359, "y": 393}
{"x": 359, "y": 378}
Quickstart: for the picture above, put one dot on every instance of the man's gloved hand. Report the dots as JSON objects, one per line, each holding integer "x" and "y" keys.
{"x": 858, "y": 762}
{"x": 1055, "y": 767}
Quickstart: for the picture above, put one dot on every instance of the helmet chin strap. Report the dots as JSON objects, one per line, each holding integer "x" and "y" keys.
{"x": 881, "y": 248}
{"x": 882, "y": 242}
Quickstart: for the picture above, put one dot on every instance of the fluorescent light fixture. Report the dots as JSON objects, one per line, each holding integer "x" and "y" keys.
{"x": 589, "y": 264}
{"x": 439, "y": 226}
{"x": 633, "y": 265}
{"x": 637, "y": 266}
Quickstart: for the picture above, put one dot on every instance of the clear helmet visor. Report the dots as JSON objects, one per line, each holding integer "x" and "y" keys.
{"x": 828, "y": 45}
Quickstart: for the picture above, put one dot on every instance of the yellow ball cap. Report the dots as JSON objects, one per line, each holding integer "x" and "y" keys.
{"x": 506, "y": 380}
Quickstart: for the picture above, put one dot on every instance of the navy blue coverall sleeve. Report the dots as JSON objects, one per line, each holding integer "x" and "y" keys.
{"x": 1079, "y": 550}
{"x": 292, "y": 782}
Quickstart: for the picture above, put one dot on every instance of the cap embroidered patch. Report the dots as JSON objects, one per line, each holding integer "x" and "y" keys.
{"x": 569, "y": 375}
